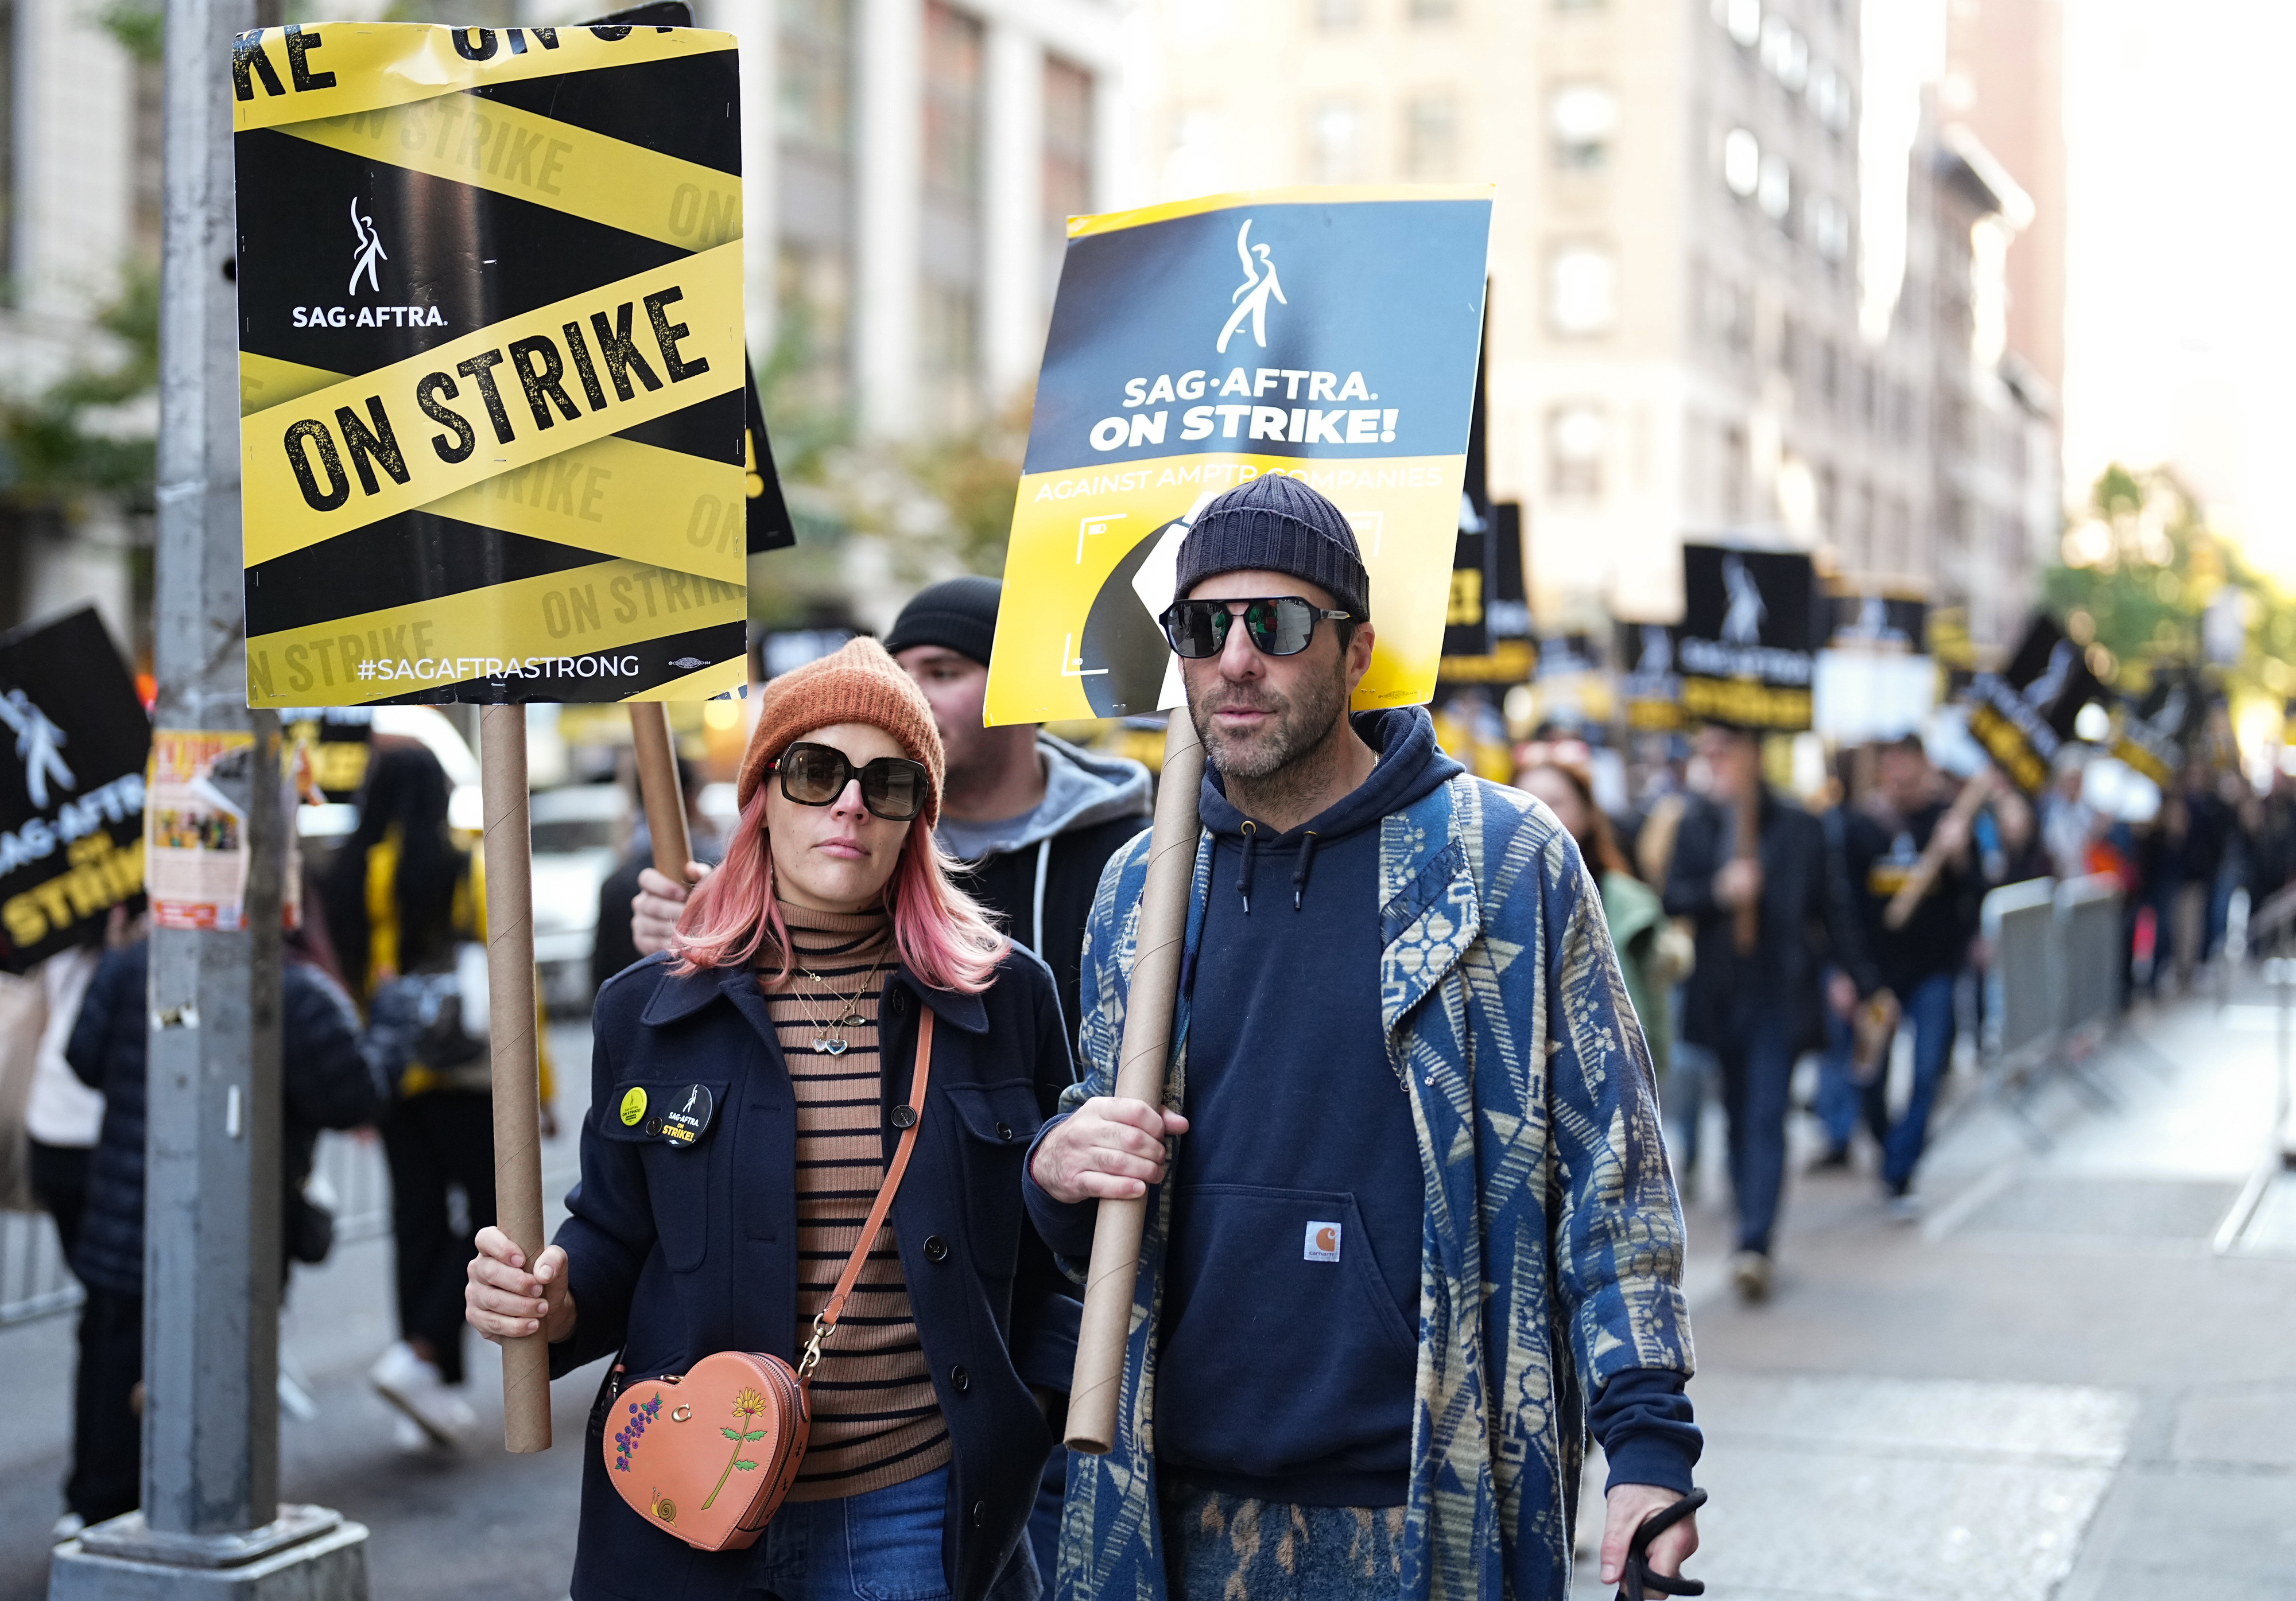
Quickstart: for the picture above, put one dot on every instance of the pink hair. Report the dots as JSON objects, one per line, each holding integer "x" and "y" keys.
{"x": 942, "y": 933}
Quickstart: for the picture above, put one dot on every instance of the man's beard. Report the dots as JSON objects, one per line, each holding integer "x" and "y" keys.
{"x": 1296, "y": 726}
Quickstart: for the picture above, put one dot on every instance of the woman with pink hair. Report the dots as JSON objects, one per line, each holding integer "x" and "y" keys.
{"x": 750, "y": 1086}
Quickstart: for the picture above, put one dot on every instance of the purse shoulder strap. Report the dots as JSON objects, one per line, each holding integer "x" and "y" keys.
{"x": 826, "y": 1318}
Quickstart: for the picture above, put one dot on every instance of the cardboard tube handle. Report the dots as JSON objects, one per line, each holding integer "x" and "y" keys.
{"x": 1746, "y": 921}
{"x": 658, "y": 787}
{"x": 1106, "y": 1326}
{"x": 510, "y": 1031}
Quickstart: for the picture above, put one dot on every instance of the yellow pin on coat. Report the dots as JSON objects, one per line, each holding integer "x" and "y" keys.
{"x": 633, "y": 1106}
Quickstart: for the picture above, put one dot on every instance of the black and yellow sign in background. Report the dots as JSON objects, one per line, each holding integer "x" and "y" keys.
{"x": 494, "y": 435}
{"x": 2025, "y": 714}
{"x": 73, "y": 739}
{"x": 1745, "y": 655}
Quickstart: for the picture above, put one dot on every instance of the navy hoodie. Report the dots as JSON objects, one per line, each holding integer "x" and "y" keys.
{"x": 1289, "y": 1344}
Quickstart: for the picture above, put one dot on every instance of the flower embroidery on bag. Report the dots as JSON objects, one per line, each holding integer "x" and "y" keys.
{"x": 642, "y": 1413}
{"x": 749, "y": 1405}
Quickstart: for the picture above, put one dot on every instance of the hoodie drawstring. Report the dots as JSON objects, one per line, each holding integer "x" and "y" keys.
{"x": 1250, "y": 842}
{"x": 1307, "y": 866}
{"x": 1037, "y": 917}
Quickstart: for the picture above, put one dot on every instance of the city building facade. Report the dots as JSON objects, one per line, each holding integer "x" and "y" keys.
{"x": 909, "y": 167}
{"x": 1681, "y": 340}
{"x": 79, "y": 221}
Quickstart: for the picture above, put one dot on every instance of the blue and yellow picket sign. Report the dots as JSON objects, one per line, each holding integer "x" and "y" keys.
{"x": 1330, "y": 333}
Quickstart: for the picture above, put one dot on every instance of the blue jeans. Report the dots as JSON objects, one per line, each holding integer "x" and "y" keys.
{"x": 1838, "y": 1093}
{"x": 880, "y": 1546}
{"x": 1757, "y": 1055}
{"x": 1929, "y": 1008}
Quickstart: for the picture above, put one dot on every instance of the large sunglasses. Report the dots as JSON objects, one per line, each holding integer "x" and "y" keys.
{"x": 1278, "y": 624}
{"x": 894, "y": 788}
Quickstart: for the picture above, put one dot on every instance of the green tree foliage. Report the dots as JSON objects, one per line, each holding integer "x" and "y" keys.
{"x": 941, "y": 503}
{"x": 137, "y": 24}
{"x": 91, "y": 432}
{"x": 2140, "y": 573}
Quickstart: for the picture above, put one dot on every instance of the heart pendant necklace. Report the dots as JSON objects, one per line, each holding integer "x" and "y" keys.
{"x": 829, "y": 1038}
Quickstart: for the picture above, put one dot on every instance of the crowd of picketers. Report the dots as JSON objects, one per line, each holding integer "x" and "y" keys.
{"x": 1425, "y": 1025}
{"x": 1820, "y": 972}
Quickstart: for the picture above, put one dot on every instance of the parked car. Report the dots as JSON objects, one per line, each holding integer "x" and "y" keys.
{"x": 580, "y": 833}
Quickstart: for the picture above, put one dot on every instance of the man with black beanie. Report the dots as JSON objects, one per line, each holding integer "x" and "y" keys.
{"x": 1419, "y": 1238}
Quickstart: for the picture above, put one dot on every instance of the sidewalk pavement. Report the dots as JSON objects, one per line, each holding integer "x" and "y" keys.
{"x": 443, "y": 1526}
{"x": 2052, "y": 1387}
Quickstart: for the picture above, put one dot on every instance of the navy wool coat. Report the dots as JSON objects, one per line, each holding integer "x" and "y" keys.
{"x": 676, "y": 1253}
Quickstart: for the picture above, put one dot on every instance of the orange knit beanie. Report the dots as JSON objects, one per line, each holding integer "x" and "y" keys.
{"x": 858, "y": 683}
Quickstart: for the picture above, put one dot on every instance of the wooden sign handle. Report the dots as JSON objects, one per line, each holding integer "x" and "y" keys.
{"x": 1746, "y": 920}
{"x": 658, "y": 787}
{"x": 510, "y": 1031}
{"x": 1924, "y": 871}
{"x": 1106, "y": 1326}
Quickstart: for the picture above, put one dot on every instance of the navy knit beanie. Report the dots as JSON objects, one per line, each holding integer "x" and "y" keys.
{"x": 956, "y": 614}
{"x": 1280, "y": 525}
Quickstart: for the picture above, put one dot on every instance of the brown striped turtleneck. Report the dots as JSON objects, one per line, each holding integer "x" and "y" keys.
{"x": 876, "y": 1421}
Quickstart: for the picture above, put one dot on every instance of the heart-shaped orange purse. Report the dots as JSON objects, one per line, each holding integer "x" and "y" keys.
{"x": 707, "y": 1454}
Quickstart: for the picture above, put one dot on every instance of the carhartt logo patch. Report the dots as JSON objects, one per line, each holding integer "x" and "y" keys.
{"x": 1323, "y": 1243}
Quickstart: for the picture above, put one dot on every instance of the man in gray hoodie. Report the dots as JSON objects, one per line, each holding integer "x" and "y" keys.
{"x": 1035, "y": 818}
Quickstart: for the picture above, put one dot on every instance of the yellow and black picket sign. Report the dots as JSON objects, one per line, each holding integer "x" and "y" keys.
{"x": 1330, "y": 334}
{"x": 492, "y": 431}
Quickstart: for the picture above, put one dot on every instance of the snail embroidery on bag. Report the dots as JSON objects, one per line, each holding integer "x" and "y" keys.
{"x": 749, "y": 1405}
{"x": 642, "y": 1413}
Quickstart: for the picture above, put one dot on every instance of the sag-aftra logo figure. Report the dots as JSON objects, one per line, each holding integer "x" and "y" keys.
{"x": 369, "y": 252}
{"x": 1252, "y": 295}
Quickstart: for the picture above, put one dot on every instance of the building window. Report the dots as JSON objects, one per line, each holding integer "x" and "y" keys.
{"x": 812, "y": 251}
{"x": 953, "y": 49}
{"x": 1828, "y": 222}
{"x": 1773, "y": 190}
{"x": 1431, "y": 137}
{"x": 1742, "y": 162}
{"x": 1331, "y": 15}
{"x": 948, "y": 352}
{"x": 1731, "y": 490}
{"x": 1335, "y": 142}
{"x": 813, "y": 293}
{"x": 1785, "y": 52}
{"x": 1583, "y": 120}
{"x": 1068, "y": 145}
{"x": 1728, "y": 316}
{"x": 149, "y": 137}
{"x": 1577, "y": 434}
{"x": 1743, "y": 19}
{"x": 948, "y": 338}
{"x": 814, "y": 61}
{"x": 1582, "y": 290}
{"x": 1829, "y": 98}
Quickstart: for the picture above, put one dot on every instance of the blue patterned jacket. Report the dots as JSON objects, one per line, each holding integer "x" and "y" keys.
{"x": 1551, "y": 1256}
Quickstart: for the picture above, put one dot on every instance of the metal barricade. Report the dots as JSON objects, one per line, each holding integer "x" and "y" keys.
{"x": 34, "y": 1279}
{"x": 2089, "y": 963}
{"x": 2021, "y": 1013}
